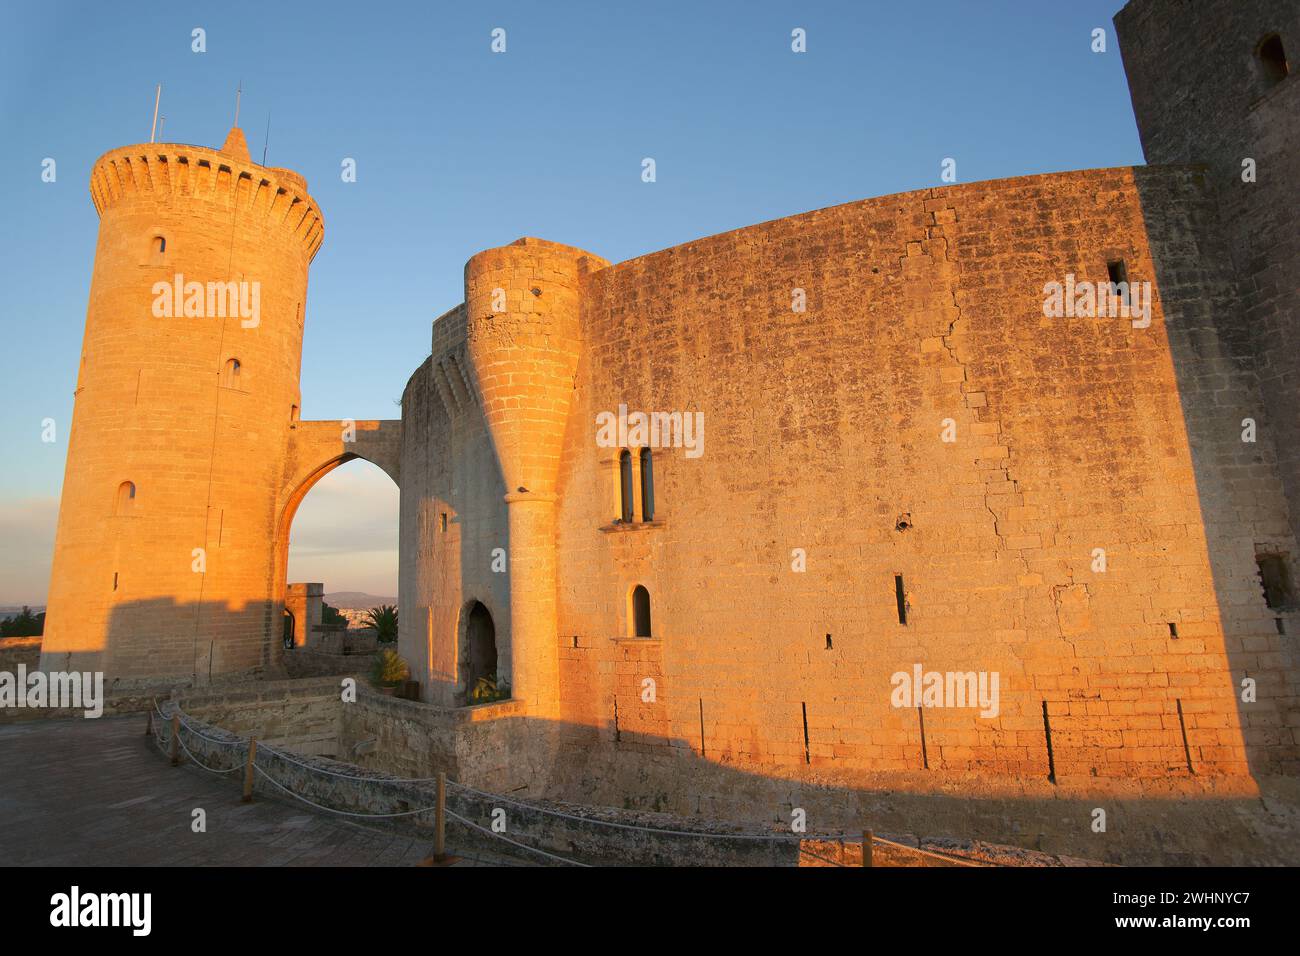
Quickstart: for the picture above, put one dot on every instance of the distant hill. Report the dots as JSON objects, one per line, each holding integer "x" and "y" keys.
{"x": 356, "y": 599}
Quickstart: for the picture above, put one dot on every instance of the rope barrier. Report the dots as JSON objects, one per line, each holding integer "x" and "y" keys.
{"x": 190, "y": 753}
{"x": 346, "y": 813}
{"x": 501, "y": 798}
{"x": 523, "y": 846}
{"x": 960, "y": 861}
{"x": 644, "y": 829}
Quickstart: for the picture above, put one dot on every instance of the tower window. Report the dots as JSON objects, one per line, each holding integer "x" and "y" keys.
{"x": 1272, "y": 59}
{"x": 1118, "y": 273}
{"x": 1275, "y": 578}
{"x": 230, "y": 374}
{"x": 640, "y": 612}
{"x": 157, "y": 246}
{"x": 293, "y": 413}
{"x": 625, "y": 485}
{"x": 125, "y": 502}
{"x": 647, "y": 486}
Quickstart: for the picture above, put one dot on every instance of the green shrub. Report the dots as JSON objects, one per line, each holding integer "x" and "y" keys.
{"x": 390, "y": 668}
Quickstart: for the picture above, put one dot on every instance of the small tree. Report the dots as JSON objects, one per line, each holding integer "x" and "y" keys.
{"x": 384, "y": 620}
{"x": 331, "y": 615}
{"x": 23, "y": 624}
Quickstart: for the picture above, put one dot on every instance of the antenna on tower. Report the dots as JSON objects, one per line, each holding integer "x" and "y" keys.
{"x": 162, "y": 121}
{"x": 239, "y": 92}
{"x": 266, "y": 140}
{"x": 157, "y": 96}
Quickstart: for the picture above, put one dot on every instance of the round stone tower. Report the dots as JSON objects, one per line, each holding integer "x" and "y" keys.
{"x": 186, "y": 394}
{"x": 522, "y": 305}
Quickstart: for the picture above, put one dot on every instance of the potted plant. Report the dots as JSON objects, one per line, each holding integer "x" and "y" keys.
{"x": 389, "y": 671}
{"x": 486, "y": 691}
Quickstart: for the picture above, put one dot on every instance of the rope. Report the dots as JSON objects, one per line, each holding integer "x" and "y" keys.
{"x": 346, "y": 813}
{"x": 644, "y": 829}
{"x": 960, "y": 861}
{"x": 824, "y": 859}
{"x": 180, "y": 740}
{"x": 522, "y": 846}
{"x": 501, "y": 798}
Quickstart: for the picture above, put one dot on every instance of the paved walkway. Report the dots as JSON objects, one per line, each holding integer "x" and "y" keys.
{"x": 99, "y": 793}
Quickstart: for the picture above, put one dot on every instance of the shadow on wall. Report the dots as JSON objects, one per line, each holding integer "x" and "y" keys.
{"x": 495, "y": 748}
{"x": 191, "y": 642}
{"x": 1234, "y": 463}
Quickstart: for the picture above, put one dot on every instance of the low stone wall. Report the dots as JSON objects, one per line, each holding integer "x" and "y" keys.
{"x": 19, "y": 650}
{"x": 301, "y": 715}
{"x": 562, "y": 832}
{"x": 383, "y": 742}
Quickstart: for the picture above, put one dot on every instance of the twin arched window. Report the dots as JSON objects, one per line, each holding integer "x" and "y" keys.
{"x": 625, "y": 482}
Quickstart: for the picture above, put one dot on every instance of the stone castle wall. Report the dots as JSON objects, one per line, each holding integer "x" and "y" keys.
{"x": 823, "y": 434}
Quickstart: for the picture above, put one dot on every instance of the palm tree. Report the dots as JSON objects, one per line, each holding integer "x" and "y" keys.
{"x": 384, "y": 620}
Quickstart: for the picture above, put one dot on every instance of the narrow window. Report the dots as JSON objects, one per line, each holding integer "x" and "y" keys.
{"x": 293, "y": 413}
{"x": 1272, "y": 59}
{"x": 625, "y": 484}
{"x": 641, "y": 611}
{"x": 159, "y": 245}
{"x": 900, "y": 598}
{"x": 1275, "y": 577}
{"x": 114, "y": 580}
{"x": 1118, "y": 272}
{"x": 125, "y": 498}
{"x": 230, "y": 374}
{"x": 647, "y": 486}
{"x": 444, "y": 521}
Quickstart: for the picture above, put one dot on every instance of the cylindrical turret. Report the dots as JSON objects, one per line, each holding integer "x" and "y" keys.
{"x": 188, "y": 383}
{"x": 522, "y": 326}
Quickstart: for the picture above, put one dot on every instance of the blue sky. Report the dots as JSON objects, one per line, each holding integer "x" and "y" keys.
{"x": 459, "y": 149}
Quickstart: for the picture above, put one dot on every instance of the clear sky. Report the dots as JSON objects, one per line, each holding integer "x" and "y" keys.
{"x": 458, "y": 149}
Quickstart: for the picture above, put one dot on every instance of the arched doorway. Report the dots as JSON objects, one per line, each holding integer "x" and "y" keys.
{"x": 341, "y": 533}
{"x": 478, "y": 657}
{"x": 288, "y": 630}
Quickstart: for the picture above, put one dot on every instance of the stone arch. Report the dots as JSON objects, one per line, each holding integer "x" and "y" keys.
{"x": 316, "y": 449}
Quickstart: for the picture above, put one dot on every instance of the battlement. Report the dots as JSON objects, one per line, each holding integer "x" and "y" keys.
{"x": 217, "y": 176}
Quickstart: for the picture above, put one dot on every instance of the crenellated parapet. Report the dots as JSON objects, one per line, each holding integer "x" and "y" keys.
{"x": 223, "y": 178}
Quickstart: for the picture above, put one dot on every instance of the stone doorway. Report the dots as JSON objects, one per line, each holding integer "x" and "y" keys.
{"x": 479, "y": 651}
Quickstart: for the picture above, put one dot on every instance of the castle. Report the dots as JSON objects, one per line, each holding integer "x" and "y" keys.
{"x": 913, "y": 465}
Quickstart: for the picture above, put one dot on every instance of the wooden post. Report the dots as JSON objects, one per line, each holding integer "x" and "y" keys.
{"x": 867, "y": 838}
{"x": 248, "y": 770}
{"x": 440, "y": 821}
{"x": 176, "y": 740}
{"x": 148, "y": 724}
